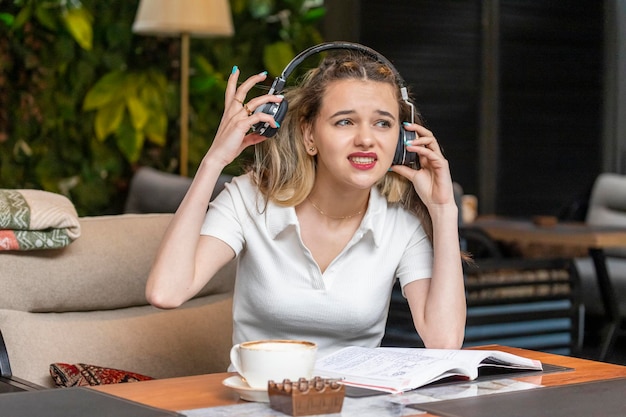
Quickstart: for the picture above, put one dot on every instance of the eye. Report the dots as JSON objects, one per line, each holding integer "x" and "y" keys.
{"x": 343, "y": 122}
{"x": 383, "y": 123}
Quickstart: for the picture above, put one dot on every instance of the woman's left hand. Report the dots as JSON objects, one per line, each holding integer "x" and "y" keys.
{"x": 432, "y": 181}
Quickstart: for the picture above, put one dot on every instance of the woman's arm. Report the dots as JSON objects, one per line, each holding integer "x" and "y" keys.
{"x": 438, "y": 304}
{"x": 179, "y": 271}
{"x": 186, "y": 260}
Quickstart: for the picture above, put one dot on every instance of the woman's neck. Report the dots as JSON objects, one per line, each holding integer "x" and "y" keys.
{"x": 338, "y": 205}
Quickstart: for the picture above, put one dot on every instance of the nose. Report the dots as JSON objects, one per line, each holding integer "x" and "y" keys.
{"x": 364, "y": 137}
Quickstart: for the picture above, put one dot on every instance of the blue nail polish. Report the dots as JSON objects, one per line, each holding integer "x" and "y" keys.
{"x": 235, "y": 68}
{"x": 408, "y": 142}
{"x": 406, "y": 123}
{"x": 277, "y": 124}
{"x": 263, "y": 73}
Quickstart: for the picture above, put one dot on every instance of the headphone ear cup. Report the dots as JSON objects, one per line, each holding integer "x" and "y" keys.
{"x": 278, "y": 110}
{"x": 402, "y": 156}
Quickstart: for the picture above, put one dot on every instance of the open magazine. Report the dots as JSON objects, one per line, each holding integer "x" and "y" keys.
{"x": 402, "y": 369}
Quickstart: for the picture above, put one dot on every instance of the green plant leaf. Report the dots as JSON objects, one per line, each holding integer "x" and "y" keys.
{"x": 156, "y": 129}
{"x": 201, "y": 84}
{"x": 129, "y": 141}
{"x": 7, "y": 18}
{"x": 22, "y": 17}
{"x": 261, "y": 8}
{"x": 152, "y": 98}
{"x": 106, "y": 157}
{"x": 276, "y": 56}
{"x": 313, "y": 15}
{"x": 78, "y": 23}
{"x": 107, "y": 89}
{"x": 138, "y": 112}
{"x": 157, "y": 79}
{"x": 45, "y": 17}
{"x": 108, "y": 119}
{"x": 203, "y": 65}
{"x": 205, "y": 77}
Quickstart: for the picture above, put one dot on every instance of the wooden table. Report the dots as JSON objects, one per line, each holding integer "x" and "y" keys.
{"x": 204, "y": 391}
{"x": 595, "y": 239}
{"x": 569, "y": 234}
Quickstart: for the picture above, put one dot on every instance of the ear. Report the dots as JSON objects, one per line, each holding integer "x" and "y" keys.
{"x": 309, "y": 140}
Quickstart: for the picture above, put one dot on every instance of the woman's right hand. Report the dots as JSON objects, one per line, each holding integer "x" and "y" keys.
{"x": 232, "y": 135}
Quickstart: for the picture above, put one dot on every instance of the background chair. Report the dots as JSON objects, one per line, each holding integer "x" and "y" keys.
{"x": 527, "y": 303}
{"x": 607, "y": 207}
{"x": 154, "y": 191}
{"x": 532, "y": 304}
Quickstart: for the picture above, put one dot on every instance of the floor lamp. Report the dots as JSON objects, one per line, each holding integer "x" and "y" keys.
{"x": 184, "y": 18}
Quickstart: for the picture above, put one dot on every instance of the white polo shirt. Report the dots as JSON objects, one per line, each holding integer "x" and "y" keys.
{"x": 280, "y": 291}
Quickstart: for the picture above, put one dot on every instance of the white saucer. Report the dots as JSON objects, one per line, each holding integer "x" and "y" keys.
{"x": 245, "y": 391}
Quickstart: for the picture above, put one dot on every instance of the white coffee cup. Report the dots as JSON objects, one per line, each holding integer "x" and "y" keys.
{"x": 260, "y": 361}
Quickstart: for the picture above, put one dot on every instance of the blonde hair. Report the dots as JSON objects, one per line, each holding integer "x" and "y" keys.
{"x": 285, "y": 172}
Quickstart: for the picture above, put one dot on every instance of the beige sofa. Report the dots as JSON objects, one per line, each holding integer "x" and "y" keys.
{"x": 85, "y": 304}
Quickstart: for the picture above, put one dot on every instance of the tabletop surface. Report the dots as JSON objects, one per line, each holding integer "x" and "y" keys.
{"x": 203, "y": 391}
{"x": 565, "y": 233}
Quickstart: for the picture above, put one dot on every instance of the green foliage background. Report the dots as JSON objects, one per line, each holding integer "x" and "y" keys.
{"x": 84, "y": 101}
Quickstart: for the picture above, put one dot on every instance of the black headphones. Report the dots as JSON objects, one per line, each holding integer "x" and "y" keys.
{"x": 279, "y": 110}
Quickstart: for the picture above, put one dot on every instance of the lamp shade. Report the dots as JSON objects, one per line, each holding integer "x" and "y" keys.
{"x": 174, "y": 17}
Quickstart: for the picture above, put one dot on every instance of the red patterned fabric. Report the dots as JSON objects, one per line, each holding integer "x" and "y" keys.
{"x": 81, "y": 375}
{"x": 8, "y": 240}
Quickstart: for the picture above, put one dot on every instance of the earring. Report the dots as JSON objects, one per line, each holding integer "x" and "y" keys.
{"x": 312, "y": 149}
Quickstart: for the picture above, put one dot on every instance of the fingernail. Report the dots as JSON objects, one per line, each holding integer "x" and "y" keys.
{"x": 235, "y": 68}
{"x": 277, "y": 124}
{"x": 408, "y": 142}
{"x": 406, "y": 123}
{"x": 263, "y": 73}
{"x": 280, "y": 96}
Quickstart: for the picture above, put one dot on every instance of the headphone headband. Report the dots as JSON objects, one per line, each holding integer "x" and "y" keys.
{"x": 279, "y": 82}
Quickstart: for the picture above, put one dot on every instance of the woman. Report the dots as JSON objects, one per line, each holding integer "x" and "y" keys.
{"x": 323, "y": 224}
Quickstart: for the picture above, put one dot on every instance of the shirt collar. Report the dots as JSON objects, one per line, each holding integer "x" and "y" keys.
{"x": 279, "y": 218}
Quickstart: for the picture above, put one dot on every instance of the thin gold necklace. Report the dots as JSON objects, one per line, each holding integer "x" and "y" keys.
{"x": 333, "y": 217}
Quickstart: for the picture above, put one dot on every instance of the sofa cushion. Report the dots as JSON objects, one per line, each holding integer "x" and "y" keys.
{"x": 83, "y": 375}
{"x": 190, "y": 340}
{"x": 106, "y": 268}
